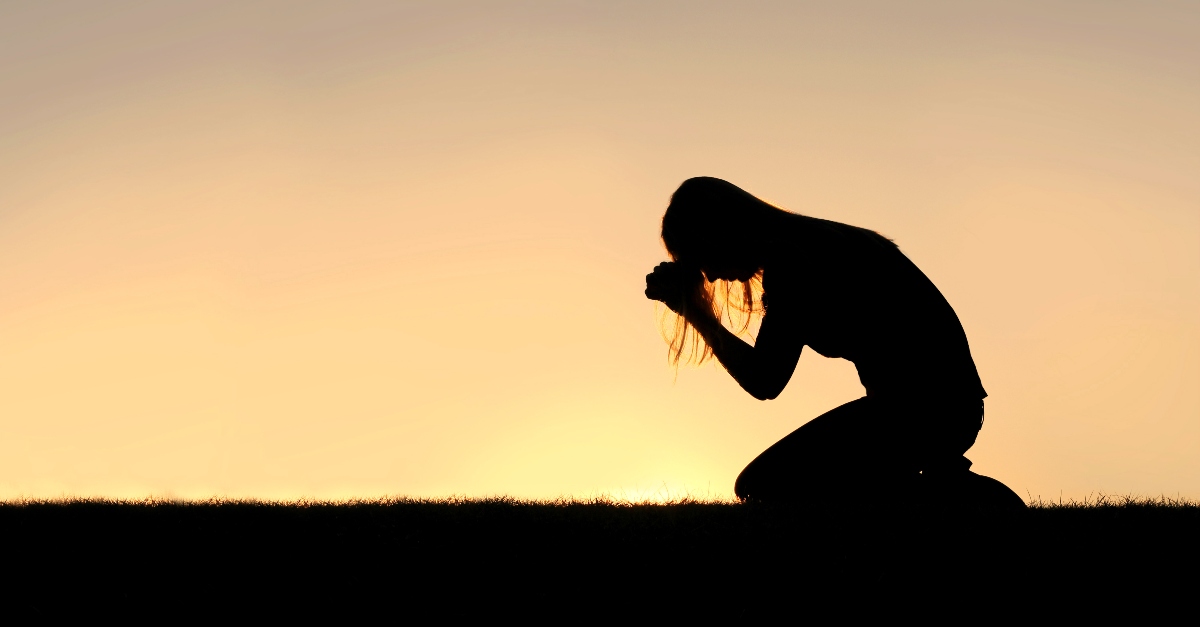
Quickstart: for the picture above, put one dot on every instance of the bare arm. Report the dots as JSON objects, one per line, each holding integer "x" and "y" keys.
{"x": 762, "y": 369}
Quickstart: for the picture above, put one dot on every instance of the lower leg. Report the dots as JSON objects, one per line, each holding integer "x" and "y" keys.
{"x": 837, "y": 456}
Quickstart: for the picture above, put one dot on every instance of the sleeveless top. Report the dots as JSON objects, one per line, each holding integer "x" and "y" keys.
{"x": 856, "y": 296}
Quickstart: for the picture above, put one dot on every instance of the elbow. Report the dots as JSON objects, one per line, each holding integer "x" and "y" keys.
{"x": 765, "y": 393}
{"x": 764, "y": 386}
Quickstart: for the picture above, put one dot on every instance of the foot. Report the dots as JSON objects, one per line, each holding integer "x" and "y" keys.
{"x": 959, "y": 488}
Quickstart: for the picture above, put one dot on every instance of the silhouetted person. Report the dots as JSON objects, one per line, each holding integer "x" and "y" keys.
{"x": 845, "y": 292}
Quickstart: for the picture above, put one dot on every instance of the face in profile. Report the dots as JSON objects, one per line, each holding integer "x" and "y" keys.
{"x": 724, "y": 261}
{"x": 728, "y": 270}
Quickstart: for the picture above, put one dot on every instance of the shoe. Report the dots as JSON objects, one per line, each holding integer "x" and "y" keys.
{"x": 956, "y": 487}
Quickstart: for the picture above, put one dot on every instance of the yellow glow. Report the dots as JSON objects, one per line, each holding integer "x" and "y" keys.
{"x": 355, "y": 249}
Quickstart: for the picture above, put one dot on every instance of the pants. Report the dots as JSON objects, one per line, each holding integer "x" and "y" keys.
{"x": 867, "y": 448}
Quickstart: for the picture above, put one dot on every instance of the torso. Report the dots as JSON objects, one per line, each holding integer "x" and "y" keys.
{"x": 854, "y": 295}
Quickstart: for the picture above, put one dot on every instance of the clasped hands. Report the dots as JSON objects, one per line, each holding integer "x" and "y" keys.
{"x": 674, "y": 285}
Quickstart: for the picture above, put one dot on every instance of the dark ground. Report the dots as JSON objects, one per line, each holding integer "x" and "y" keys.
{"x": 497, "y": 558}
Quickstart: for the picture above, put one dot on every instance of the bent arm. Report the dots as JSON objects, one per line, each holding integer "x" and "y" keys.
{"x": 762, "y": 369}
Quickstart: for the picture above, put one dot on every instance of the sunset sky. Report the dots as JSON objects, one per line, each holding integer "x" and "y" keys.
{"x": 367, "y": 248}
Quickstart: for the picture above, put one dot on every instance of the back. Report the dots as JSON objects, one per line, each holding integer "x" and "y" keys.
{"x": 851, "y": 293}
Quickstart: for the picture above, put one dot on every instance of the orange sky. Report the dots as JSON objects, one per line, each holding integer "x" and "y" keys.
{"x": 357, "y": 249}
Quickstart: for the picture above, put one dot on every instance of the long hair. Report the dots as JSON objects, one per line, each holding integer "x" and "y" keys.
{"x": 707, "y": 201}
{"x": 737, "y": 304}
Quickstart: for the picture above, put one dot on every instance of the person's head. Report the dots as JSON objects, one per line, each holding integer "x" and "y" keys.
{"x": 720, "y": 229}
{"x": 717, "y": 227}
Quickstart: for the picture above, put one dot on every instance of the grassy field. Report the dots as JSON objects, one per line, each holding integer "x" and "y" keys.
{"x": 460, "y": 556}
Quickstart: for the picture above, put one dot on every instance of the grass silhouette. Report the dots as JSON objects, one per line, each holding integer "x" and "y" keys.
{"x": 687, "y": 556}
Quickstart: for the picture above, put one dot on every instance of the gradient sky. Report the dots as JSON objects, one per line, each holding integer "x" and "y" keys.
{"x": 354, "y": 249}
